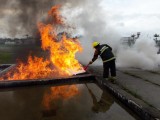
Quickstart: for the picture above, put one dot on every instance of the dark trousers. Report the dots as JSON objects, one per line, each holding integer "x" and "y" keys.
{"x": 110, "y": 65}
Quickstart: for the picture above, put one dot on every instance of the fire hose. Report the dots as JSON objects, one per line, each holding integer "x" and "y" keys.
{"x": 86, "y": 67}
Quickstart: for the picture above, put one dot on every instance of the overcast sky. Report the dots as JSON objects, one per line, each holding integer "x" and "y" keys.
{"x": 133, "y": 15}
{"x": 125, "y": 16}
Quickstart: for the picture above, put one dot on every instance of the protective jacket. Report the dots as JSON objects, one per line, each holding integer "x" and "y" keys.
{"x": 105, "y": 52}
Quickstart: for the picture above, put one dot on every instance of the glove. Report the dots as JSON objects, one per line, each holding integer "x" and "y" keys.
{"x": 90, "y": 62}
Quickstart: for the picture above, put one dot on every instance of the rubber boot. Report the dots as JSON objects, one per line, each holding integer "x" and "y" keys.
{"x": 113, "y": 80}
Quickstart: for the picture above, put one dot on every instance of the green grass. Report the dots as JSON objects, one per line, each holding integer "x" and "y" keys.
{"x": 6, "y": 58}
{"x": 9, "y": 53}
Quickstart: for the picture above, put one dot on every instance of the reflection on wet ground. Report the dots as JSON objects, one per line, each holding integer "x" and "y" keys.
{"x": 90, "y": 103}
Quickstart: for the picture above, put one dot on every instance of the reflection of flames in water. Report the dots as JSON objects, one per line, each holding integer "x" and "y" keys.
{"x": 62, "y": 60}
{"x": 56, "y": 94}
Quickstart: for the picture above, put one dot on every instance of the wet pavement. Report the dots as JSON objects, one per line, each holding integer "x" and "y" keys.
{"x": 142, "y": 84}
{"x": 90, "y": 103}
{"x": 150, "y": 76}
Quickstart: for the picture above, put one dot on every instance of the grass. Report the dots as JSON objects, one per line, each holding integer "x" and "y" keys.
{"x": 6, "y": 58}
{"x": 9, "y": 54}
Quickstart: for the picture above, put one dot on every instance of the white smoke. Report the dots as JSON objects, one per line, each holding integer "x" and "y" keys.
{"x": 91, "y": 21}
{"x": 142, "y": 55}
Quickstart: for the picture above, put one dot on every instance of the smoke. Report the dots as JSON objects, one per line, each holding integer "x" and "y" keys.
{"x": 142, "y": 55}
{"x": 87, "y": 16}
{"x": 91, "y": 21}
{"x": 21, "y": 16}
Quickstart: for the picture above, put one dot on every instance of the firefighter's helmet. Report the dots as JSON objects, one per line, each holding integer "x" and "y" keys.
{"x": 94, "y": 44}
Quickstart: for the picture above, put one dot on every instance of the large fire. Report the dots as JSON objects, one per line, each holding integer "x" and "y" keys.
{"x": 61, "y": 62}
{"x": 62, "y": 51}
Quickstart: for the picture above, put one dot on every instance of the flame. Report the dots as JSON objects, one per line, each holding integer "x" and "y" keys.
{"x": 61, "y": 61}
{"x": 62, "y": 51}
{"x": 54, "y": 13}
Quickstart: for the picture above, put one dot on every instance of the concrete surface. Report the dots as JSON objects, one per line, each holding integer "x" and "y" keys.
{"x": 141, "y": 84}
{"x": 150, "y": 76}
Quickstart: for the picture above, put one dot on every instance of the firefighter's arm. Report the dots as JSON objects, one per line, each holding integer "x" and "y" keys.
{"x": 94, "y": 57}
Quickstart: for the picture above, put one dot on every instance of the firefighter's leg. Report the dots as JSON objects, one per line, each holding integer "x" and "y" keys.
{"x": 113, "y": 70}
{"x": 105, "y": 70}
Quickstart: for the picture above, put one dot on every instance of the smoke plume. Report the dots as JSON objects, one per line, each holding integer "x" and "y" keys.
{"x": 21, "y": 16}
{"x": 142, "y": 55}
{"x": 85, "y": 15}
{"x": 91, "y": 22}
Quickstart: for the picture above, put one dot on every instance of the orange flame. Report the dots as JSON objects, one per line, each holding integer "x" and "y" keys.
{"x": 62, "y": 60}
{"x": 55, "y": 15}
{"x": 62, "y": 53}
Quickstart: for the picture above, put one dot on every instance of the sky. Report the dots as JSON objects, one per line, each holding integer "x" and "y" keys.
{"x": 125, "y": 16}
{"x": 128, "y": 16}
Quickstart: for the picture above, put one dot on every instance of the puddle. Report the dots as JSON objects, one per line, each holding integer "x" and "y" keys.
{"x": 90, "y": 103}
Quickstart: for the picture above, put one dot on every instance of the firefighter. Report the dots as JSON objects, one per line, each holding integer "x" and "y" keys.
{"x": 103, "y": 104}
{"x": 108, "y": 58}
